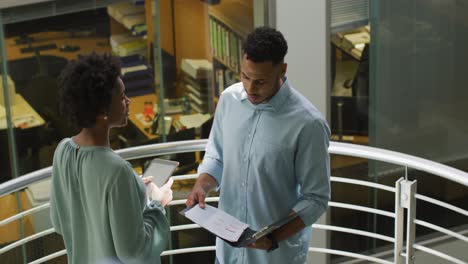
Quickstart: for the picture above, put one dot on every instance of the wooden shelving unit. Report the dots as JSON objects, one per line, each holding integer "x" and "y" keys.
{"x": 229, "y": 23}
{"x": 235, "y": 14}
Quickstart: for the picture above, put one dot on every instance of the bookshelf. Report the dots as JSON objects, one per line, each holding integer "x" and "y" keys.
{"x": 237, "y": 15}
{"x": 199, "y": 31}
{"x": 128, "y": 26}
{"x": 196, "y": 78}
{"x": 229, "y": 23}
{"x": 128, "y": 22}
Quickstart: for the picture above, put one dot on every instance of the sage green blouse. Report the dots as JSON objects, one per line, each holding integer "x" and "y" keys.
{"x": 99, "y": 206}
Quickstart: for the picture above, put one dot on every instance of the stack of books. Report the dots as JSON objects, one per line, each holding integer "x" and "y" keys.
{"x": 132, "y": 16}
{"x": 126, "y": 44}
{"x": 196, "y": 75}
{"x": 137, "y": 76}
{"x": 353, "y": 41}
{"x": 119, "y": 10}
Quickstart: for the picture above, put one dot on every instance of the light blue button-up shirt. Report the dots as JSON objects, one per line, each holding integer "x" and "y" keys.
{"x": 269, "y": 159}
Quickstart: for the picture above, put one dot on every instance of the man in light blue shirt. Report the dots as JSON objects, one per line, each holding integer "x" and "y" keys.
{"x": 268, "y": 152}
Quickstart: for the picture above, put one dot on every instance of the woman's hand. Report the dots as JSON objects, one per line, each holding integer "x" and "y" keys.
{"x": 147, "y": 180}
{"x": 163, "y": 194}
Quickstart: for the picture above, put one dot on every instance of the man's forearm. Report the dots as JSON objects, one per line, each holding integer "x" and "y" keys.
{"x": 289, "y": 229}
{"x": 207, "y": 182}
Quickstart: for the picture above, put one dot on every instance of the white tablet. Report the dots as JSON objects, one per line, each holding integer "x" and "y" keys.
{"x": 161, "y": 170}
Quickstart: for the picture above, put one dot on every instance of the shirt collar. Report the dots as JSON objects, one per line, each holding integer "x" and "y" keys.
{"x": 276, "y": 101}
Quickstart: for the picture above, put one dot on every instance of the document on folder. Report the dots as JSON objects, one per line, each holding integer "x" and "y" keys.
{"x": 227, "y": 227}
{"x": 217, "y": 222}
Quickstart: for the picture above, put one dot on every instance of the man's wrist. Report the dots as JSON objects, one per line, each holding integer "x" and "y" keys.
{"x": 207, "y": 182}
{"x": 274, "y": 242}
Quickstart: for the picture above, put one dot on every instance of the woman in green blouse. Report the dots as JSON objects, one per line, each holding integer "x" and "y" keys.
{"x": 98, "y": 204}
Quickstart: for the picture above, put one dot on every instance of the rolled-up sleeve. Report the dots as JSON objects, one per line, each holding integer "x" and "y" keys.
{"x": 213, "y": 160}
{"x": 312, "y": 169}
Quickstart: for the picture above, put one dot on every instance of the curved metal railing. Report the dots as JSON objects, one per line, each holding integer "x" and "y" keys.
{"x": 404, "y": 199}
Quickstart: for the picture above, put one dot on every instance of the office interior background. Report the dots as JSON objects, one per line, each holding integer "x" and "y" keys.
{"x": 386, "y": 74}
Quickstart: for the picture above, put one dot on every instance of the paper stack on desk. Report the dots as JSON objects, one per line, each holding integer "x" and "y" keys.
{"x": 195, "y": 120}
{"x": 351, "y": 40}
{"x": 21, "y": 121}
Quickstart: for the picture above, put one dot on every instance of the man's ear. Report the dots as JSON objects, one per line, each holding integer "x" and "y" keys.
{"x": 284, "y": 68}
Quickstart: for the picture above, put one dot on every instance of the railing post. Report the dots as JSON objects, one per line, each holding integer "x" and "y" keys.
{"x": 399, "y": 224}
{"x": 405, "y": 198}
{"x": 411, "y": 216}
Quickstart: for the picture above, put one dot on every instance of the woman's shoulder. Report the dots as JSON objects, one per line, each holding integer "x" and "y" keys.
{"x": 64, "y": 142}
{"x": 110, "y": 160}
{"x": 110, "y": 167}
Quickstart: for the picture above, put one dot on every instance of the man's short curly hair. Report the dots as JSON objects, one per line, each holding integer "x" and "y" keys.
{"x": 85, "y": 88}
{"x": 265, "y": 44}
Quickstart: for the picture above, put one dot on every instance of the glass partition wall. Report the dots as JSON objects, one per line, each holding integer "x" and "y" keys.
{"x": 177, "y": 57}
{"x": 398, "y": 85}
{"x": 418, "y": 96}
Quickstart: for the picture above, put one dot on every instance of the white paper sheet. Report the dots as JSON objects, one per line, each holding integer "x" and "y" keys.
{"x": 217, "y": 221}
{"x": 194, "y": 120}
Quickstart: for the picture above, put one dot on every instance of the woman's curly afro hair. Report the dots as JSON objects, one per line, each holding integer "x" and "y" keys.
{"x": 86, "y": 86}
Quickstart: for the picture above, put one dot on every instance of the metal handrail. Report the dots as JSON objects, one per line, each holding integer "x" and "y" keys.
{"x": 127, "y": 154}
{"x": 438, "y": 254}
{"x": 442, "y": 204}
{"x": 26, "y": 239}
{"x": 441, "y": 229}
{"x": 364, "y": 183}
{"x": 348, "y": 254}
{"x": 316, "y": 226}
{"x": 49, "y": 257}
{"x": 398, "y": 158}
{"x": 337, "y": 148}
{"x": 361, "y": 208}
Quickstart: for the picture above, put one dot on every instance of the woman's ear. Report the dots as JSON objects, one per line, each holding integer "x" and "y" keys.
{"x": 102, "y": 116}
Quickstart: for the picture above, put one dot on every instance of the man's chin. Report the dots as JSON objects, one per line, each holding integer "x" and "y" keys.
{"x": 255, "y": 99}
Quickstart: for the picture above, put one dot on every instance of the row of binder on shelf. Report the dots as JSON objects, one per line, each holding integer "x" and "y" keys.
{"x": 224, "y": 78}
{"x": 226, "y": 45}
{"x": 137, "y": 76}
